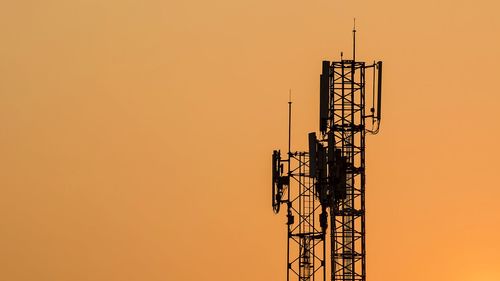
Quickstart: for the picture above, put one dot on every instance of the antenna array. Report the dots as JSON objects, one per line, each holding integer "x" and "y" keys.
{"x": 326, "y": 184}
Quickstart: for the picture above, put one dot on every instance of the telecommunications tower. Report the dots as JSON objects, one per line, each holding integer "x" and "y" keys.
{"x": 323, "y": 189}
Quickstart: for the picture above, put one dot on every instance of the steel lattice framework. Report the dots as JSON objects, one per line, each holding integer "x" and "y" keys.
{"x": 347, "y": 124}
{"x": 306, "y": 238}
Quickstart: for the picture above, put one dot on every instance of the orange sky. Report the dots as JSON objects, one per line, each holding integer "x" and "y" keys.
{"x": 135, "y": 136}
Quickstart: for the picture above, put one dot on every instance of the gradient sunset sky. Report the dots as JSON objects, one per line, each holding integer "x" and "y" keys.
{"x": 136, "y": 136}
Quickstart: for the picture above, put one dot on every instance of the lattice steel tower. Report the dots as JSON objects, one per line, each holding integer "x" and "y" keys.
{"x": 329, "y": 179}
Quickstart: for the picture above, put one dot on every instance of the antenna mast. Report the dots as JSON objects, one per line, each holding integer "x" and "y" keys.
{"x": 289, "y": 121}
{"x": 354, "y": 41}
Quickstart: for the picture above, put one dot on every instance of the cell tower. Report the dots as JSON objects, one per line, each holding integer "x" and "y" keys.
{"x": 328, "y": 180}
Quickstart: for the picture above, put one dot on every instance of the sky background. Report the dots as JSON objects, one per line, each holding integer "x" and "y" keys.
{"x": 135, "y": 136}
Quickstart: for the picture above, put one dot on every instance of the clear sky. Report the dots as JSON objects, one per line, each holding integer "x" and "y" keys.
{"x": 136, "y": 136}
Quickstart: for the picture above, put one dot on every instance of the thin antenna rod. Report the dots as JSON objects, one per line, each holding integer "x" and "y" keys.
{"x": 354, "y": 41}
{"x": 289, "y": 121}
{"x": 289, "y": 175}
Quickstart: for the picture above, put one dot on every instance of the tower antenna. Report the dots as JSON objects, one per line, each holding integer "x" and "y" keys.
{"x": 324, "y": 188}
{"x": 354, "y": 41}
{"x": 289, "y": 121}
